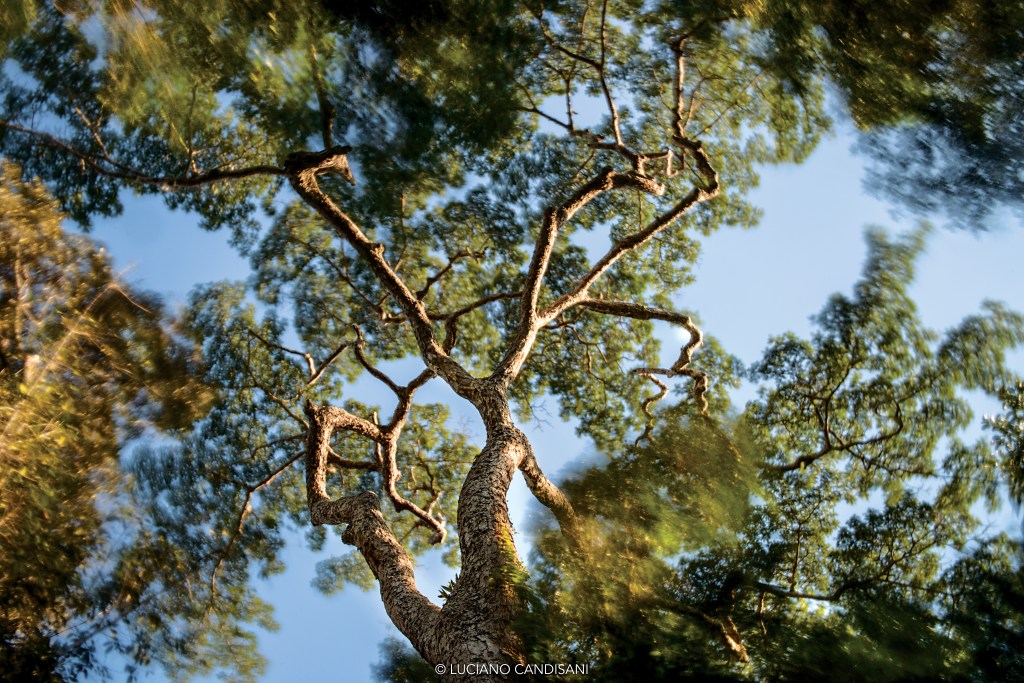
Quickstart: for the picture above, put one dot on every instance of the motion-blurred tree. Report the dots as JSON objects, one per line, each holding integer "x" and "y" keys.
{"x": 85, "y": 365}
{"x": 836, "y": 527}
{"x": 934, "y": 84}
{"x": 504, "y": 194}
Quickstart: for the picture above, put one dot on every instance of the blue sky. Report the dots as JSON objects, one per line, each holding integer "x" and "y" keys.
{"x": 751, "y": 284}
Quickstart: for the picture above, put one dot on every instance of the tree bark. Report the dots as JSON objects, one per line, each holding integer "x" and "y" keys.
{"x": 475, "y": 625}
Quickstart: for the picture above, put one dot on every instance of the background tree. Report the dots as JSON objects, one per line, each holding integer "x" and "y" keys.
{"x": 86, "y": 365}
{"x": 462, "y": 212}
{"x": 934, "y": 85}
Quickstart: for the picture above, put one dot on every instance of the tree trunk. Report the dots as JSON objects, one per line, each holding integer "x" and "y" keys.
{"x": 475, "y": 625}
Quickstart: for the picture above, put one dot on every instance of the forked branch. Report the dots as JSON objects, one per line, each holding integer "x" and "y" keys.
{"x": 699, "y": 194}
{"x": 530, "y": 321}
{"x": 414, "y": 615}
{"x": 303, "y": 168}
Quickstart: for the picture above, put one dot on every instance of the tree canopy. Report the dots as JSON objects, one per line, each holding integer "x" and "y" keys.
{"x": 504, "y": 197}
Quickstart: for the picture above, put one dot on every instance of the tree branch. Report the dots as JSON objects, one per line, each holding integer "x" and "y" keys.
{"x": 388, "y": 455}
{"x": 723, "y": 627}
{"x": 381, "y": 377}
{"x": 681, "y": 367}
{"x": 414, "y": 615}
{"x": 830, "y": 446}
{"x": 316, "y": 373}
{"x": 243, "y": 514}
{"x": 389, "y": 458}
{"x": 451, "y": 320}
{"x": 301, "y": 354}
{"x": 554, "y": 218}
{"x": 302, "y": 169}
{"x": 697, "y": 195}
{"x": 602, "y": 73}
{"x": 349, "y": 464}
{"x": 433, "y": 279}
{"x": 131, "y": 175}
{"x": 551, "y": 497}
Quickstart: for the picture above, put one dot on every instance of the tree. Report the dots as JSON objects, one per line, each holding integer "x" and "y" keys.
{"x": 86, "y": 364}
{"x": 461, "y": 211}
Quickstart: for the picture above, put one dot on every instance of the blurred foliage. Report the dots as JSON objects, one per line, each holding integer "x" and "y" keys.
{"x": 401, "y": 664}
{"x": 1008, "y": 437}
{"x": 935, "y": 84}
{"x": 86, "y": 364}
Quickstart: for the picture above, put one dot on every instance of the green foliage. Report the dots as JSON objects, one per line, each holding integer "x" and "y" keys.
{"x": 954, "y": 69}
{"x": 85, "y": 365}
{"x": 934, "y": 84}
{"x": 607, "y": 603}
{"x": 1008, "y": 437}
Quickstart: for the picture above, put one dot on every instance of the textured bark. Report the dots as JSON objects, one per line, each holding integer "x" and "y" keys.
{"x": 473, "y": 625}
{"x": 412, "y": 613}
{"x": 476, "y": 619}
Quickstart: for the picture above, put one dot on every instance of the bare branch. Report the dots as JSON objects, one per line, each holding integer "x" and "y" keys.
{"x": 697, "y": 195}
{"x": 243, "y": 514}
{"x": 451, "y": 320}
{"x": 551, "y": 497}
{"x": 325, "y": 420}
{"x": 413, "y": 614}
{"x": 370, "y": 368}
{"x": 832, "y": 442}
{"x": 432, "y": 280}
{"x": 680, "y": 114}
{"x": 391, "y": 475}
{"x": 388, "y": 455}
{"x": 469, "y": 308}
{"x": 316, "y": 373}
{"x": 301, "y": 354}
{"x": 349, "y": 464}
{"x": 554, "y": 219}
